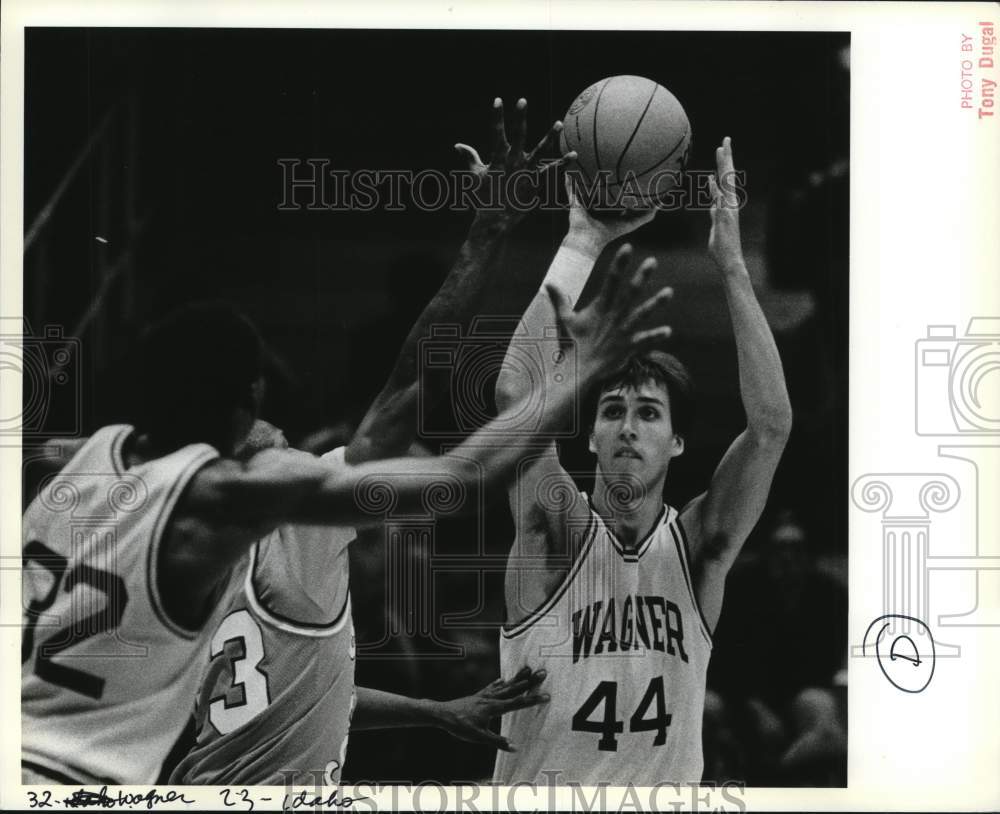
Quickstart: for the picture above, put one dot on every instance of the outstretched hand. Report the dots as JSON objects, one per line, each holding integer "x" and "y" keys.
{"x": 601, "y": 228}
{"x": 606, "y": 331}
{"x": 469, "y": 718}
{"x": 507, "y": 202}
{"x": 724, "y": 238}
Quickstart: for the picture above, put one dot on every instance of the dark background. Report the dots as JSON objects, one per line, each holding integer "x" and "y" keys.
{"x": 177, "y": 134}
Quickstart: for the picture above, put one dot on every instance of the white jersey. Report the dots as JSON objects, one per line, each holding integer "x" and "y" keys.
{"x": 277, "y": 691}
{"x": 106, "y": 677}
{"x": 626, "y": 650}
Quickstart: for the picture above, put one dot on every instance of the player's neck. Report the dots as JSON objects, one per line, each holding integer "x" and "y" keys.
{"x": 631, "y": 517}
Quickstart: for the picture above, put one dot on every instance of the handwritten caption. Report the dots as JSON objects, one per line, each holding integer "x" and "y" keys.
{"x": 978, "y": 57}
{"x": 239, "y": 798}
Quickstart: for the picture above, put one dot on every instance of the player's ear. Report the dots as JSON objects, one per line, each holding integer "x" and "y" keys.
{"x": 678, "y": 446}
{"x": 590, "y": 441}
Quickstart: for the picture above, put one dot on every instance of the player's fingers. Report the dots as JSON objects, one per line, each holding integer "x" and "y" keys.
{"x": 510, "y": 689}
{"x": 560, "y": 303}
{"x": 562, "y": 161}
{"x": 648, "y": 340}
{"x": 470, "y": 155}
{"x": 724, "y": 159}
{"x": 500, "y": 145}
{"x": 642, "y": 274}
{"x": 725, "y": 191}
{"x": 613, "y": 279}
{"x": 536, "y": 677}
{"x": 551, "y": 136}
{"x": 713, "y": 190}
{"x": 522, "y": 682}
{"x": 476, "y": 734}
{"x": 629, "y": 291}
{"x": 640, "y": 313}
{"x": 495, "y": 685}
{"x": 523, "y": 701}
{"x": 521, "y": 675}
{"x": 729, "y": 190}
{"x": 503, "y": 744}
{"x": 520, "y": 127}
{"x": 505, "y": 686}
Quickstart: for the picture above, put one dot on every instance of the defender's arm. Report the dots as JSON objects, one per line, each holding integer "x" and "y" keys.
{"x": 465, "y": 718}
{"x": 390, "y": 423}
{"x": 232, "y": 503}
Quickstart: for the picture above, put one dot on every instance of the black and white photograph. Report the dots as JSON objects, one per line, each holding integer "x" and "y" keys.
{"x": 437, "y": 408}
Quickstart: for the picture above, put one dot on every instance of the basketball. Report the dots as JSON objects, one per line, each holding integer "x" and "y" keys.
{"x": 632, "y": 138}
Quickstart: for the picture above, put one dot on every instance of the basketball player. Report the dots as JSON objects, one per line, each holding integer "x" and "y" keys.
{"x": 277, "y": 696}
{"x": 465, "y": 718}
{"x": 616, "y": 594}
{"x": 276, "y": 701}
{"x": 148, "y": 543}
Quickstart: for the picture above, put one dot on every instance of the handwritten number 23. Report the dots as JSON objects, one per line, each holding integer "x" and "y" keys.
{"x": 244, "y": 798}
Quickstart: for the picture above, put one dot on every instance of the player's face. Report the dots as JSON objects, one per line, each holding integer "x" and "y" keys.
{"x": 633, "y": 433}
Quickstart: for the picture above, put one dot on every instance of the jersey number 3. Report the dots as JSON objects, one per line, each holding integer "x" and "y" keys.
{"x": 239, "y": 628}
{"x": 608, "y": 726}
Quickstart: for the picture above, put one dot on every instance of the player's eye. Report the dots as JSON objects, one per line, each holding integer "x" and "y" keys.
{"x": 612, "y": 411}
{"x": 649, "y": 413}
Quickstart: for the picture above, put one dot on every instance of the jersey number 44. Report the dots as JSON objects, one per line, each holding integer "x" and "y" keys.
{"x": 649, "y": 716}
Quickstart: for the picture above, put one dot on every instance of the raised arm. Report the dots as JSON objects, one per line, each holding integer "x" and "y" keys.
{"x": 568, "y": 273}
{"x": 543, "y": 526}
{"x": 389, "y": 426}
{"x": 719, "y": 521}
{"x": 233, "y": 503}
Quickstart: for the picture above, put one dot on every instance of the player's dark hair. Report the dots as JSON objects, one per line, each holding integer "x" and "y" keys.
{"x": 196, "y": 367}
{"x": 661, "y": 368}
